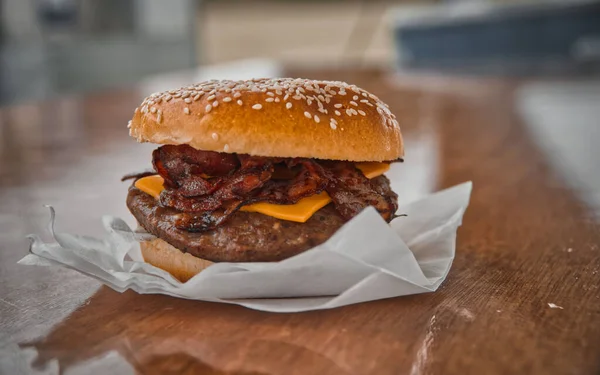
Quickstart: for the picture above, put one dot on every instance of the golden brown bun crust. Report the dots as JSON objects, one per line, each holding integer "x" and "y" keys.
{"x": 272, "y": 117}
{"x": 181, "y": 265}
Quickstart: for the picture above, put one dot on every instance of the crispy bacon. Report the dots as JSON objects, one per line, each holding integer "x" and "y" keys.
{"x": 202, "y": 221}
{"x": 208, "y": 187}
{"x": 239, "y": 186}
{"x": 351, "y": 192}
{"x": 136, "y": 176}
{"x": 177, "y": 163}
{"x": 307, "y": 181}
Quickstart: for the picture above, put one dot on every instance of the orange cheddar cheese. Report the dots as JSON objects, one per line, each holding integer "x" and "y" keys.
{"x": 151, "y": 185}
{"x": 299, "y": 212}
{"x": 372, "y": 169}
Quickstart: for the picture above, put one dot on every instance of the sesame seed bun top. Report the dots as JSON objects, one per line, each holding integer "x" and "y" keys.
{"x": 282, "y": 117}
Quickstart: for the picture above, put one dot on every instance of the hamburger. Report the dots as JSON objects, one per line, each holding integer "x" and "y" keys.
{"x": 258, "y": 170}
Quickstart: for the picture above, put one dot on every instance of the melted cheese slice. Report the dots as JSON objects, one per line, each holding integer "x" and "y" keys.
{"x": 372, "y": 169}
{"x": 299, "y": 212}
{"x": 151, "y": 185}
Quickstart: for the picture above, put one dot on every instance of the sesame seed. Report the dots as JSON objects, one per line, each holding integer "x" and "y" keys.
{"x": 333, "y": 124}
{"x": 226, "y": 148}
{"x": 321, "y": 92}
{"x": 129, "y": 124}
{"x": 215, "y": 136}
{"x": 257, "y": 106}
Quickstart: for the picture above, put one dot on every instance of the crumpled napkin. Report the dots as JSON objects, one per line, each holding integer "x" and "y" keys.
{"x": 365, "y": 260}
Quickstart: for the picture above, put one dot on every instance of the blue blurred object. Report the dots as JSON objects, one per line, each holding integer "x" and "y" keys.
{"x": 514, "y": 39}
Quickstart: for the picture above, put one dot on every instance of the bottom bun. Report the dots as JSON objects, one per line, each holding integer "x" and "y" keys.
{"x": 182, "y": 266}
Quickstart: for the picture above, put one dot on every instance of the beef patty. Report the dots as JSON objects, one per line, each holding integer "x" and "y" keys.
{"x": 245, "y": 236}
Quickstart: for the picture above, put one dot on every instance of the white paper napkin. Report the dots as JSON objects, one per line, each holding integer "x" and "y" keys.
{"x": 365, "y": 260}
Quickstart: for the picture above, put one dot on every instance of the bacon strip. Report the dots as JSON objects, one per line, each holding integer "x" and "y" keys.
{"x": 237, "y": 180}
{"x": 177, "y": 163}
{"x": 351, "y": 192}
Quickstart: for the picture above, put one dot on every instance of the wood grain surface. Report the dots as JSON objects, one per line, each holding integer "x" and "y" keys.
{"x": 528, "y": 240}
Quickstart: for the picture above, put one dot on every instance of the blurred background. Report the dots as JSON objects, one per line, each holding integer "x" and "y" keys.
{"x": 65, "y": 46}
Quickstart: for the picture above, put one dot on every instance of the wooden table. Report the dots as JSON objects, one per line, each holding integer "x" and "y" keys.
{"x": 528, "y": 240}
